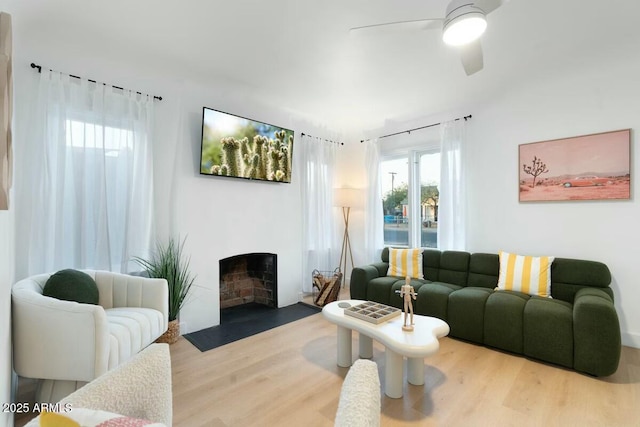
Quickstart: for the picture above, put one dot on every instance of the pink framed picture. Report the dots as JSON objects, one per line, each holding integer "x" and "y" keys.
{"x": 588, "y": 167}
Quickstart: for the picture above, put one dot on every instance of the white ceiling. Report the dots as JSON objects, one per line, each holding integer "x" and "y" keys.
{"x": 300, "y": 55}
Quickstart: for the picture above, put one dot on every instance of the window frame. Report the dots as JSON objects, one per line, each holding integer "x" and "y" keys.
{"x": 413, "y": 156}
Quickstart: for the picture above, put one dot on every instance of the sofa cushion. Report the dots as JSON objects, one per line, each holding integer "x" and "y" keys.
{"x": 405, "y": 262}
{"x": 465, "y": 314}
{"x": 72, "y": 285}
{"x": 568, "y": 276}
{"x": 396, "y": 300}
{"x": 503, "y": 320}
{"x": 454, "y": 267}
{"x": 131, "y": 329}
{"x": 548, "y": 330}
{"x": 484, "y": 270}
{"x": 528, "y": 274}
{"x": 596, "y": 348}
{"x": 431, "y": 264}
{"x": 379, "y": 289}
{"x": 433, "y": 299}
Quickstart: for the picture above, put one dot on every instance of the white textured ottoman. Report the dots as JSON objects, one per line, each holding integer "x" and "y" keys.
{"x": 359, "y": 404}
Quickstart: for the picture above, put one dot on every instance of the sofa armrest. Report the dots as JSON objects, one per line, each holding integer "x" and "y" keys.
{"x": 139, "y": 388}
{"x": 359, "y": 404}
{"x": 123, "y": 290}
{"x": 360, "y": 278}
{"x": 55, "y": 339}
{"x": 596, "y": 333}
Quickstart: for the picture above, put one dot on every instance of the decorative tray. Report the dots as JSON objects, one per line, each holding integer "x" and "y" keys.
{"x": 372, "y": 312}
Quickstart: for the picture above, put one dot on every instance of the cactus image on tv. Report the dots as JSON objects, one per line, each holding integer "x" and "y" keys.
{"x": 238, "y": 147}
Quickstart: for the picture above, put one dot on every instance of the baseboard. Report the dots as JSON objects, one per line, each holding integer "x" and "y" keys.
{"x": 631, "y": 339}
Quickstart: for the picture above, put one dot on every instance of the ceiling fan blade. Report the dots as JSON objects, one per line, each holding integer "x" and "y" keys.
{"x": 471, "y": 55}
{"x": 395, "y": 23}
{"x": 488, "y": 6}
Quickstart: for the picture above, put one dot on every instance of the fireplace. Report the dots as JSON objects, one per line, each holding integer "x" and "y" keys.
{"x": 249, "y": 278}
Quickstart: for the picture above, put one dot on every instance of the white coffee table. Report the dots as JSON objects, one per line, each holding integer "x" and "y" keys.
{"x": 415, "y": 345}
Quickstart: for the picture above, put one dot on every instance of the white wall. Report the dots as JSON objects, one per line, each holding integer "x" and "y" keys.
{"x": 598, "y": 97}
{"x": 222, "y": 217}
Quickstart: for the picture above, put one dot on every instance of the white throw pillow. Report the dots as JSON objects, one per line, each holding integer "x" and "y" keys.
{"x": 528, "y": 274}
{"x": 405, "y": 262}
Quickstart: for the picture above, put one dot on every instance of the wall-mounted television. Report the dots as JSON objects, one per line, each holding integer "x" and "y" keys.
{"x": 235, "y": 146}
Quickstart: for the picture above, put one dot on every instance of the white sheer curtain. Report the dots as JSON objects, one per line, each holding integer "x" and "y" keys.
{"x": 84, "y": 186}
{"x": 319, "y": 246}
{"x": 452, "y": 203}
{"x": 373, "y": 215}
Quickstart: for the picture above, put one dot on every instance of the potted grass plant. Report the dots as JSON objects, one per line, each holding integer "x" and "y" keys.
{"x": 168, "y": 262}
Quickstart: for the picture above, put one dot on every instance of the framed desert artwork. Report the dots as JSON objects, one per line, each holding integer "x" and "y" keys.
{"x": 588, "y": 167}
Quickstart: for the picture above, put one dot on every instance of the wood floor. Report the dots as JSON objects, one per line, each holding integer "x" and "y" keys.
{"x": 288, "y": 377}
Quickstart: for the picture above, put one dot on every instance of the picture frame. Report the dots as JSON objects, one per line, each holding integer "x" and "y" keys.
{"x": 586, "y": 167}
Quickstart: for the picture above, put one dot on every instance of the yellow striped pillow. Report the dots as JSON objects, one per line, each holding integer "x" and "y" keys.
{"x": 405, "y": 262}
{"x": 528, "y": 274}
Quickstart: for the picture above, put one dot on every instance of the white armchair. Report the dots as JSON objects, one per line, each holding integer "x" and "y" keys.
{"x": 66, "y": 344}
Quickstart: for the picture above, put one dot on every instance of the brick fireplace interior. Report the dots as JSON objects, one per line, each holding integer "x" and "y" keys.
{"x": 249, "y": 278}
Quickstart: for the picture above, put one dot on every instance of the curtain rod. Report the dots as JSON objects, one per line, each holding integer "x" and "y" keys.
{"x": 39, "y": 67}
{"x": 414, "y": 129}
{"x": 323, "y": 139}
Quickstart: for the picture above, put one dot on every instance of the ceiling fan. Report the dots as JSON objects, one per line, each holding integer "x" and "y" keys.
{"x": 463, "y": 24}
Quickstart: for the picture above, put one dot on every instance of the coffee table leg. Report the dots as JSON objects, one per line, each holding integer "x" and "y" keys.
{"x": 344, "y": 347}
{"x": 393, "y": 374}
{"x": 366, "y": 346}
{"x": 415, "y": 371}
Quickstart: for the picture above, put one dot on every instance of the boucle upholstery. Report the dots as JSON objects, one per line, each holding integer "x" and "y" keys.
{"x": 359, "y": 404}
{"x": 139, "y": 388}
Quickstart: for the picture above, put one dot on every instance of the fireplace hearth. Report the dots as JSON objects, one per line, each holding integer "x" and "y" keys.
{"x": 249, "y": 278}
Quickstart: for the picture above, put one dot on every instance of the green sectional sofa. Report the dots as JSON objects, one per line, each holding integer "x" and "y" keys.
{"x": 577, "y": 328}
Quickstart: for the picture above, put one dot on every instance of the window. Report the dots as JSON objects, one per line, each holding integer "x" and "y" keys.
{"x": 395, "y": 186}
{"x": 100, "y": 157}
{"x": 429, "y": 179}
{"x": 88, "y": 177}
{"x": 81, "y": 134}
{"x": 410, "y": 196}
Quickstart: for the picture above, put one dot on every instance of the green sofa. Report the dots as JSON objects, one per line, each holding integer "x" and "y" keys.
{"x": 577, "y": 328}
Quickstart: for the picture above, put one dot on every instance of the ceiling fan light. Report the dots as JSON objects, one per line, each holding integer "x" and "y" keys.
{"x": 464, "y": 28}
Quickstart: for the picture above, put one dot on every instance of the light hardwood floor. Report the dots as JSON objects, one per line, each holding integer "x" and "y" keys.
{"x": 288, "y": 377}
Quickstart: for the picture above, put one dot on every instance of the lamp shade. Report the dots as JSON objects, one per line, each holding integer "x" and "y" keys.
{"x": 463, "y": 24}
{"x": 347, "y": 197}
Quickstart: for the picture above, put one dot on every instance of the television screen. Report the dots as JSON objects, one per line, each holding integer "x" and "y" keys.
{"x": 237, "y": 147}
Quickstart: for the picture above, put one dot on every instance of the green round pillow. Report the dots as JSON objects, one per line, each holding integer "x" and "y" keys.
{"x": 72, "y": 285}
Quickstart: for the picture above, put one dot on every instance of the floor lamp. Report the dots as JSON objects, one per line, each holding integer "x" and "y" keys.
{"x": 346, "y": 198}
